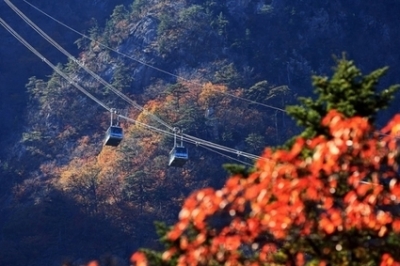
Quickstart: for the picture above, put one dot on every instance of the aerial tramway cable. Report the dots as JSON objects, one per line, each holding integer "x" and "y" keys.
{"x": 98, "y": 78}
{"x": 185, "y": 137}
{"x": 188, "y": 137}
{"x": 196, "y": 141}
{"x": 147, "y": 64}
{"x": 58, "y": 71}
{"x": 71, "y": 57}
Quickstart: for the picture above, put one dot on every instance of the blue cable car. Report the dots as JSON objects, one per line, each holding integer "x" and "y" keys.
{"x": 114, "y": 136}
{"x": 178, "y": 156}
{"x": 114, "y": 133}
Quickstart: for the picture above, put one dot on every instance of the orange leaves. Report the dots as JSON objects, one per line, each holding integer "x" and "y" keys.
{"x": 211, "y": 93}
{"x": 363, "y": 188}
{"x": 253, "y": 225}
{"x": 328, "y": 203}
{"x": 312, "y": 193}
{"x": 232, "y": 243}
{"x": 300, "y": 259}
{"x": 253, "y": 192}
{"x": 177, "y": 231}
{"x": 331, "y": 221}
{"x": 332, "y": 118}
{"x": 139, "y": 259}
{"x": 395, "y": 191}
{"x": 337, "y": 191}
{"x": 296, "y": 149}
{"x": 393, "y": 127}
{"x": 232, "y": 183}
{"x": 167, "y": 255}
{"x": 383, "y": 217}
{"x": 346, "y": 129}
{"x": 396, "y": 225}
{"x": 93, "y": 263}
{"x": 335, "y": 217}
{"x": 266, "y": 252}
{"x": 387, "y": 260}
{"x": 355, "y": 178}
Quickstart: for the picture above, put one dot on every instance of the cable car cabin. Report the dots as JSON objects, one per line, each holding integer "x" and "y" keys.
{"x": 178, "y": 156}
{"x": 114, "y": 135}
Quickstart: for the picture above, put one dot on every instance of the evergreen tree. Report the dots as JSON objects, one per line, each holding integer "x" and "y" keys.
{"x": 348, "y": 91}
{"x": 337, "y": 205}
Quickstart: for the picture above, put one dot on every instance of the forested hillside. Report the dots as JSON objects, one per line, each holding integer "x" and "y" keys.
{"x": 221, "y": 71}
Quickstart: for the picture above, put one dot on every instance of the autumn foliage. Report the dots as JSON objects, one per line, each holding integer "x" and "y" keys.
{"x": 326, "y": 201}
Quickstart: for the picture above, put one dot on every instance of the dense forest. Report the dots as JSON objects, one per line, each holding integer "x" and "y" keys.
{"x": 221, "y": 71}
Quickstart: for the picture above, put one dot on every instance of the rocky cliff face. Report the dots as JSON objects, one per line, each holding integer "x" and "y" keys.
{"x": 138, "y": 45}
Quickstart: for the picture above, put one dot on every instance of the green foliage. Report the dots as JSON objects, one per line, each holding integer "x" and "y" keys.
{"x": 255, "y": 141}
{"x": 137, "y": 6}
{"x": 229, "y": 76}
{"x": 71, "y": 67}
{"x": 187, "y": 31}
{"x": 133, "y": 187}
{"x": 262, "y": 91}
{"x": 236, "y": 169}
{"x": 348, "y": 91}
{"x": 122, "y": 77}
{"x": 191, "y": 119}
{"x": 166, "y": 23}
{"x": 94, "y": 33}
{"x": 35, "y": 86}
{"x": 32, "y": 136}
{"x": 119, "y": 13}
{"x": 116, "y": 29}
{"x": 177, "y": 90}
{"x": 191, "y": 15}
{"x": 221, "y": 23}
{"x": 258, "y": 91}
{"x": 266, "y": 9}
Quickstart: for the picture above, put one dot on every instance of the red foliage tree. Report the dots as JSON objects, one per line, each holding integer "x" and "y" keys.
{"x": 332, "y": 198}
{"x": 336, "y": 203}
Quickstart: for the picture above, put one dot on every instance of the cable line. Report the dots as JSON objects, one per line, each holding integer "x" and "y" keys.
{"x": 185, "y": 137}
{"x": 58, "y": 71}
{"x": 148, "y": 65}
{"x": 229, "y": 157}
{"x": 197, "y": 141}
{"x": 44, "y": 35}
{"x": 104, "y": 45}
{"x": 71, "y": 57}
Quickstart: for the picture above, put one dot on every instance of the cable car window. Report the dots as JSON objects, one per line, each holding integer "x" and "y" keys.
{"x": 181, "y": 151}
{"x": 116, "y": 130}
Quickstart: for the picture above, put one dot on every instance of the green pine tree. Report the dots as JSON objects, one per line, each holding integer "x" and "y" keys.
{"x": 348, "y": 91}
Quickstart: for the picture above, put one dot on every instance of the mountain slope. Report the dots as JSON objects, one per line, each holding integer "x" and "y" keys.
{"x": 87, "y": 200}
